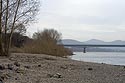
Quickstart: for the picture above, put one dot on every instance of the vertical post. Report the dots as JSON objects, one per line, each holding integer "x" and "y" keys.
{"x": 84, "y": 50}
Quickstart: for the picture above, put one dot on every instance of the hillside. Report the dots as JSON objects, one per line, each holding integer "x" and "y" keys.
{"x": 97, "y": 42}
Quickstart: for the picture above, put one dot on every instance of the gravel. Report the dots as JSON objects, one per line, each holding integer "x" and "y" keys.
{"x": 41, "y": 68}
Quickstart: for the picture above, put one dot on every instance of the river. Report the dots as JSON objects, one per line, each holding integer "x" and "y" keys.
{"x": 114, "y": 58}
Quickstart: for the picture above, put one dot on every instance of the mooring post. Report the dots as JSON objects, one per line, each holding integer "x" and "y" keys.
{"x": 84, "y": 50}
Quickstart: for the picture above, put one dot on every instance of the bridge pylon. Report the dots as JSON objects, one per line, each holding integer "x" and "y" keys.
{"x": 84, "y": 50}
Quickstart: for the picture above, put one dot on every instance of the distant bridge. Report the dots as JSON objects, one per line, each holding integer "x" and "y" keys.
{"x": 91, "y": 45}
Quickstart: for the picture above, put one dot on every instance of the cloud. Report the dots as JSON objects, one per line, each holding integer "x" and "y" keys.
{"x": 100, "y": 19}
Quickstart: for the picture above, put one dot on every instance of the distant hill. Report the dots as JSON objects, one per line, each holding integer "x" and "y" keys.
{"x": 119, "y": 42}
{"x": 98, "y": 42}
{"x": 71, "y": 41}
{"x": 95, "y": 41}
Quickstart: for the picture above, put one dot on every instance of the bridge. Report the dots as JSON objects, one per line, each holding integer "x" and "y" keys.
{"x": 91, "y": 45}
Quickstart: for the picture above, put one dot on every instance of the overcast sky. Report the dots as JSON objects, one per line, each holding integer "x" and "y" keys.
{"x": 83, "y": 19}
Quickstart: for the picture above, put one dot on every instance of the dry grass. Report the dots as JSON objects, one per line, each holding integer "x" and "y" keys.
{"x": 38, "y": 47}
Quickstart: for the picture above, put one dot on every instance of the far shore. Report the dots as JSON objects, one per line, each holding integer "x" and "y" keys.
{"x": 41, "y": 68}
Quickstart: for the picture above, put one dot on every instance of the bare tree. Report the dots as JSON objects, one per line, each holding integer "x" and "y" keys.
{"x": 47, "y": 42}
{"x": 14, "y": 15}
{"x": 48, "y": 35}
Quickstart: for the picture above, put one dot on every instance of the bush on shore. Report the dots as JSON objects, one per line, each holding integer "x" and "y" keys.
{"x": 45, "y": 42}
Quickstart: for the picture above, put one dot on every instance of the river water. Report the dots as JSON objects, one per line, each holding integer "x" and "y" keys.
{"x": 114, "y": 58}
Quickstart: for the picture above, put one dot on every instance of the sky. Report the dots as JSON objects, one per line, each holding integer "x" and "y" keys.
{"x": 82, "y": 19}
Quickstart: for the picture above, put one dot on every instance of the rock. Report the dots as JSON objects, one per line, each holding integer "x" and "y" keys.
{"x": 49, "y": 75}
{"x": 1, "y": 81}
{"x": 49, "y": 58}
{"x": 16, "y": 78}
{"x": 2, "y": 67}
{"x": 17, "y": 64}
{"x": 11, "y": 58}
{"x": 39, "y": 65}
{"x": 57, "y": 75}
{"x": 28, "y": 67}
{"x": 4, "y": 76}
{"x": 19, "y": 70}
{"x": 10, "y": 66}
{"x": 64, "y": 67}
{"x": 90, "y": 69}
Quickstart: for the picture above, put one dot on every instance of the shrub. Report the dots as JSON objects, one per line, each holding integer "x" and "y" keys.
{"x": 45, "y": 42}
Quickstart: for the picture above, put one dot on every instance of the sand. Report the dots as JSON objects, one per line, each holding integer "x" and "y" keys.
{"x": 41, "y": 68}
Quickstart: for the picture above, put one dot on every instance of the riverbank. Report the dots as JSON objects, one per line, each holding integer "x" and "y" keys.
{"x": 40, "y": 68}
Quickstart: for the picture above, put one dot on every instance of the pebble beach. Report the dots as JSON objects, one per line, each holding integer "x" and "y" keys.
{"x": 41, "y": 68}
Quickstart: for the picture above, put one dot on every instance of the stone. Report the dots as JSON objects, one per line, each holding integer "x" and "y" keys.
{"x": 28, "y": 67}
{"x": 10, "y": 66}
{"x": 17, "y": 64}
{"x": 64, "y": 67}
{"x": 39, "y": 65}
{"x": 2, "y": 67}
{"x": 49, "y": 75}
{"x": 16, "y": 78}
{"x": 19, "y": 70}
{"x": 1, "y": 81}
{"x": 90, "y": 69}
{"x": 4, "y": 76}
{"x": 57, "y": 75}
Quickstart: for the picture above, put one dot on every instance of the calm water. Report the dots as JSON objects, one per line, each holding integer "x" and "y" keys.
{"x": 115, "y": 58}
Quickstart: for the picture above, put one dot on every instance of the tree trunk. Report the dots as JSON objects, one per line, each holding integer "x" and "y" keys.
{"x": 1, "y": 46}
{"x": 12, "y": 30}
{"x": 5, "y": 32}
